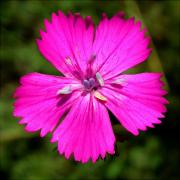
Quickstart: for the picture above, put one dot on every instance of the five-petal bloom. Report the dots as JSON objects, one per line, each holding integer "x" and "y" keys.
{"x": 92, "y": 62}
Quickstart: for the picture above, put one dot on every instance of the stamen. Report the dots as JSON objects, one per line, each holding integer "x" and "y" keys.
{"x": 73, "y": 68}
{"x": 99, "y": 96}
{"x": 89, "y": 69}
{"x": 91, "y": 60}
{"x": 119, "y": 81}
{"x": 65, "y": 90}
{"x": 99, "y": 79}
{"x": 68, "y": 61}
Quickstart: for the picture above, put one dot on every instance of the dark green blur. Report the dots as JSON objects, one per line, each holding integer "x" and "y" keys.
{"x": 151, "y": 155}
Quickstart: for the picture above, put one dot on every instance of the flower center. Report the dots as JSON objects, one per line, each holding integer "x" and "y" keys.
{"x": 93, "y": 83}
{"x": 89, "y": 84}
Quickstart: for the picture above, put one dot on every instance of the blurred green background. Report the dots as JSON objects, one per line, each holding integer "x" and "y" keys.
{"x": 152, "y": 155}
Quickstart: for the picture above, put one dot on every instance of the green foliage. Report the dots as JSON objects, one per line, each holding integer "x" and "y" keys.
{"x": 152, "y": 155}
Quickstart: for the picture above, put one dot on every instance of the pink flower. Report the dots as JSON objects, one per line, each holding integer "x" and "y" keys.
{"x": 92, "y": 62}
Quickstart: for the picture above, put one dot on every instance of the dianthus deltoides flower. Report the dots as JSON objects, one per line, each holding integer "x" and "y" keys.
{"x": 92, "y": 62}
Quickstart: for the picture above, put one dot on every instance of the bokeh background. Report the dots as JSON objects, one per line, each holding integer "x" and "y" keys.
{"x": 152, "y": 155}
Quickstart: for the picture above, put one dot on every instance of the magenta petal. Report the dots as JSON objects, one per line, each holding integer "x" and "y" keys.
{"x": 119, "y": 45}
{"x": 138, "y": 101}
{"x": 92, "y": 63}
{"x": 67, "y": 37}
{"x": 86, "y": 131}
{"x": 37, "y": 102}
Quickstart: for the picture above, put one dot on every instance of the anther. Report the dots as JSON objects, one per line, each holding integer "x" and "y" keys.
{"x": 119, "y": 81}
{"x": 99, "y": 79}
{"x": 99, "y": 96}
{"x": 68, "y": 61}
{"x": 65, "y": 90}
